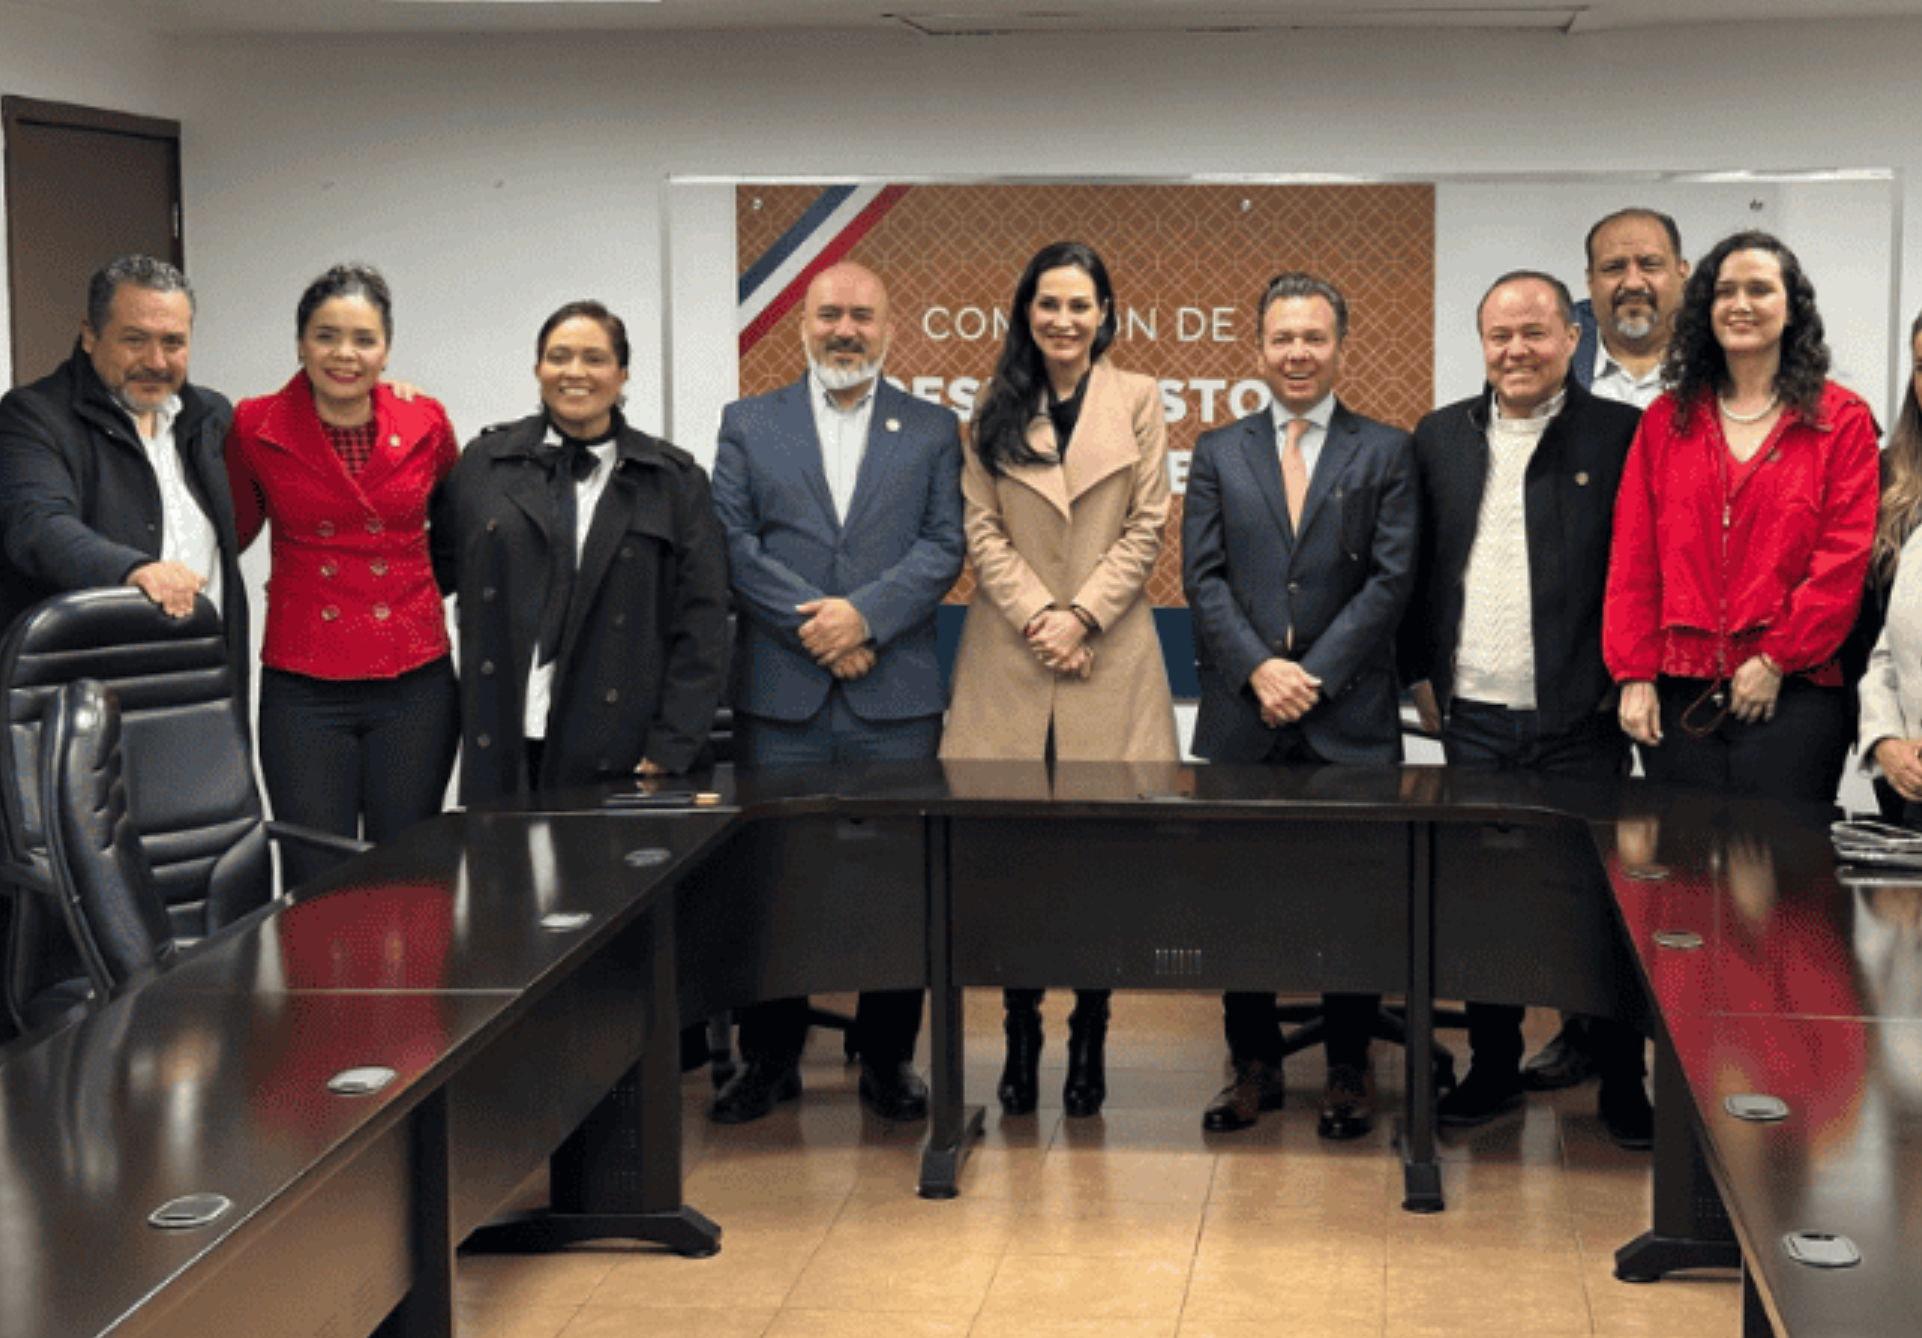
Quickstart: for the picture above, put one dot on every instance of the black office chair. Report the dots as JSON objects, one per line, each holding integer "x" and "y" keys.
{"x": 101, "y": 878}
{"x": 186, "y": 768}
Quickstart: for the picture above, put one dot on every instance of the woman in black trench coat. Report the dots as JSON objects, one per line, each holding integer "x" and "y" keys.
{"x": 593, "y": 646}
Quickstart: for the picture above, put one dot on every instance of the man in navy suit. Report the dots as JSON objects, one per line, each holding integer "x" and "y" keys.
{"x": 1298, "y": 552}
{"x": 841, "y": 498}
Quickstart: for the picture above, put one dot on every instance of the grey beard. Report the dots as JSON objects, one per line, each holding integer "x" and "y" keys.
{"x": 845, "y": 378}
{"x": 127, "y": 402}
{"x": 1634, "y": 327}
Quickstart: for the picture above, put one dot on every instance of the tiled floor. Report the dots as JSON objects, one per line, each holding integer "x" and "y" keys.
{"x": 1132, "y": 1225}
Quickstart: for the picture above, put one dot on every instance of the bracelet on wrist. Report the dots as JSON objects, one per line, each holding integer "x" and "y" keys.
{"x": 1086, "y": 618}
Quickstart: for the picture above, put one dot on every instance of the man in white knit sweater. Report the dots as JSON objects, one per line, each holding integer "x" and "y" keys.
{"x": 1502, "y": 643}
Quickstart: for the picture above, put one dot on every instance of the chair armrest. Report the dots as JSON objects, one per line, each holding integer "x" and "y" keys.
{"x": 307, "y": 836}
{"x": 27, "y": 880}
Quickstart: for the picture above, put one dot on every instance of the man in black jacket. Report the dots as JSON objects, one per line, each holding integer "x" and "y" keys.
{"x": 111, "y": 469}
{"x": 1502, "y": 643}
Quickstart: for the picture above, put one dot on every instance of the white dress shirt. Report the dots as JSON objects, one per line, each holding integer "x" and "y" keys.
{"x": 1313, "y": 438}
{"x": 186, "y": 534}
{"x": 1612, "y": 381}
{"x": 843, "y": 434}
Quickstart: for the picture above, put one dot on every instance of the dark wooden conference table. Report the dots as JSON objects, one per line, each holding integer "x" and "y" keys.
{"x": 524, "y": 973}
{"x": 1777, "y": 975}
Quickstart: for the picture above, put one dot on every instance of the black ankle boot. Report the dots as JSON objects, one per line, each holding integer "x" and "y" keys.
{"x": 1087, "y": 1085}
{"x": 1020, "y": 1089}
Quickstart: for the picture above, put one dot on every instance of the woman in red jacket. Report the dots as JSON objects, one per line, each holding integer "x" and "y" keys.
{"x": 1742, "y": 535}
{"x": 359, "y": 714}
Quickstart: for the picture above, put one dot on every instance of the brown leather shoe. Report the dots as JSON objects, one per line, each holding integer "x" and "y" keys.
{"x": 1347, "y": 1103}
{"x": 1257, "y": 1087}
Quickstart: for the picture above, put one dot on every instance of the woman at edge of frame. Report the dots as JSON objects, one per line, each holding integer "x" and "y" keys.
{"x": 1888, "y": 637}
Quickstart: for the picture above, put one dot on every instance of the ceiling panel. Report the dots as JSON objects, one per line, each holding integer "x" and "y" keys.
{"x": 958, "y": 21}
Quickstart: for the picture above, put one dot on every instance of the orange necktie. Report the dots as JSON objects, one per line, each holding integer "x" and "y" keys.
{"x": 1294, "y": 471}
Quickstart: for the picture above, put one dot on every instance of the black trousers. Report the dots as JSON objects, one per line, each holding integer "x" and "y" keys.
{"x": 1248, "y": 1018}
{"x": 1797, "y": 756}
{"x": 887, "y": 1021}
{"x": 358, "y": 757}
{"x": 1478, "y": 736}
{"x": 1347, "y": 1022}
{"x": 886, "y": 1024}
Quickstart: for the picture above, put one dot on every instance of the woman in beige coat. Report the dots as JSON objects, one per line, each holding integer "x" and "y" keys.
{"x": 1066, "y": 487}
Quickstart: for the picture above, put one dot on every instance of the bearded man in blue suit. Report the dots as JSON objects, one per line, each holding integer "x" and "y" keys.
{"x": 1297, "y": 559}
{"x": 841, "y": 499}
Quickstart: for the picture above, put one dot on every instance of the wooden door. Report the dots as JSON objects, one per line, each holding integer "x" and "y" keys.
{"x": 83, "y": 187}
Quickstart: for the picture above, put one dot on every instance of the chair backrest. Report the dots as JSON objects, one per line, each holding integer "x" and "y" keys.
{"x": 187, "y": 768}
{"x": 112, "y": 908}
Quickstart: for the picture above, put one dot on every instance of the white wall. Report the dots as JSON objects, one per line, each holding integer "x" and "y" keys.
{"x": 496, "y": 179}
{"x": 45, "y": 53}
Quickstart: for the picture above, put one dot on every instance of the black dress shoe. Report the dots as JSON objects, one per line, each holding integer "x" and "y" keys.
{"x": 1347, "y": 1103}
{"x": 1625, "y": 1113}
{"x": 1483, "y": 1095}
{"x": 755, "y": 1090}
{"x": 1563, "y": 1062}
{"x": 1257, "y": 1087}
{"x": 894, "y": 1092}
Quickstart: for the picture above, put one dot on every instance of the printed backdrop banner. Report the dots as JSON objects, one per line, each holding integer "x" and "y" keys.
{"x": 1188, "y": 264}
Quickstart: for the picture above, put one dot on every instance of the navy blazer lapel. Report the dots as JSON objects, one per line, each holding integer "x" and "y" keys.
{"x": 797, "y": 412}
{"x": 878, "y": 457}
{"x": 1264, "y": 462}
{"x": 1338, "y": 447}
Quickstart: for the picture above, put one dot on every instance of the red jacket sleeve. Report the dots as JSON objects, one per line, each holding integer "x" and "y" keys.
{"x": 1632, "y": 608}
{"x": 250, "y": 502}
{"x": 1819, "y": 610}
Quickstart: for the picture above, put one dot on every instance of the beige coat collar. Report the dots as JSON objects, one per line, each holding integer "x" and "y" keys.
{"x": 1103, "y": 443}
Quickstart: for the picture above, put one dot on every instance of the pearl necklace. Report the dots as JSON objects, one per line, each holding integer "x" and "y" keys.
{"x": 1748, "y": 418}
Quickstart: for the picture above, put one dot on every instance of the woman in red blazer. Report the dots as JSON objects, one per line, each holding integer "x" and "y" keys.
{"x": 1742, "y": 535}
{"x": 359, "y": 714}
